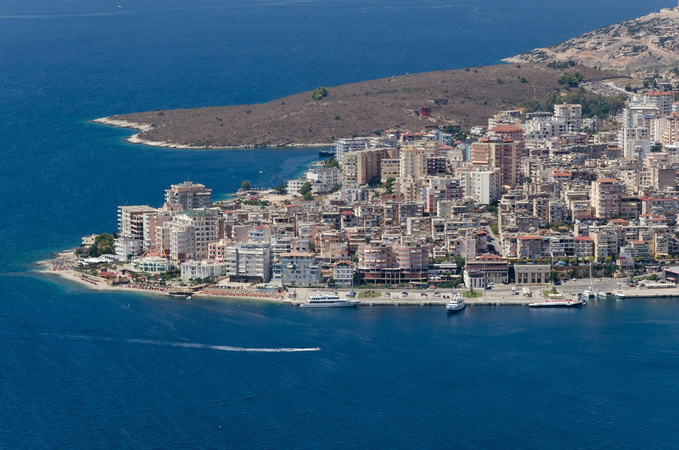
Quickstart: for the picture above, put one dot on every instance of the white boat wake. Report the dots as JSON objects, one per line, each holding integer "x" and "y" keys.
{"x": 221, "y": 348}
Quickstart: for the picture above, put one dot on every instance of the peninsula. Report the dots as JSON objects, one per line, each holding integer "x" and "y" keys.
{"x": 464, "y": 97}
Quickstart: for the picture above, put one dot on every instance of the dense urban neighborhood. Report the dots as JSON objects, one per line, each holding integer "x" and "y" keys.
{"x": 531, "y": 197}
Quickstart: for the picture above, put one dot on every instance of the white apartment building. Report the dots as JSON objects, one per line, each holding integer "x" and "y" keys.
{"x": 188, "y": 195}
{"x": 254, "y": 261}
{"x": 570, "y": 114}
{"x": 190, "y": 232}
{"x": 481, "y": 185}
{"x": 348, "y": 145}
{"x": 323, "y": 178}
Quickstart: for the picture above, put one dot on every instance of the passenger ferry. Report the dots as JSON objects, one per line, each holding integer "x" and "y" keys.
{"x": 456, "y": 304}
{"x": 329, "y": 301}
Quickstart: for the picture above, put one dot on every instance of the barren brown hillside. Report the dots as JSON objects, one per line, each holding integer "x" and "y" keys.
{"x": 466, "y": 96}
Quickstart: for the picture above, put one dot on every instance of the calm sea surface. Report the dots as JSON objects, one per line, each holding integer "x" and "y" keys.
{"x": 83, "y": 370}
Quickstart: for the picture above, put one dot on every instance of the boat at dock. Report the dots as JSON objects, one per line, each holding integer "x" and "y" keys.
{"x": 329, "y": 301}
{"x": 589, "y": 293}
{"x": 456, "y": 304}
{"x": 565, "y": 303}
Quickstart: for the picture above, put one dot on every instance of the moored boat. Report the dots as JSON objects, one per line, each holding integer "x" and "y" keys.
{"x": 329, "y": 301}
{"x": 565, "y": 303}
{"x": 456, "y": 304}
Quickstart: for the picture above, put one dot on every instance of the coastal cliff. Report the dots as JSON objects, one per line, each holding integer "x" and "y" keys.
{"x": 464, "y": 97}
{"x": 636, "y": 45}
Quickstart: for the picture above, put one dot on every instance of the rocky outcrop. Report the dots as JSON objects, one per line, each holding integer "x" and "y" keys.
{"x": 636, "y": 45}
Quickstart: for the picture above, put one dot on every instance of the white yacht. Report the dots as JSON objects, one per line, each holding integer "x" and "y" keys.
{"x": 588, "y": 293}
{"x": 329, "y": 301}
{"x": 456, "y": 304}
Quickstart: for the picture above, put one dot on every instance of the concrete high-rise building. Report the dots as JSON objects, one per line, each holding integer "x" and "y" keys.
{"x": 188, "y": 195}
{"x": 669, "y": 129}
{"x": 361, "y": 167}
{"x": 505, "y": 155}
{"x": 481, "y": 185}
{"x": 605, "y": 197}
{"x": 190, "y": 232}
{"x": 571, "y": 114}
{"x": 413, "y": 162}
{"x": 131, "y": 220}
{"x": 661, "y": 100}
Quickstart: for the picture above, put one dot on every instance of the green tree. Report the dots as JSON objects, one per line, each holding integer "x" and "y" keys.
{"x": 657, "y": 147}
{"x": 280, "y": 189}
{"x": 389, "y": 186}
{"x": 570, "y": 80}
{"x": 331, "y": 162}
{"x": 305, "y": 189}
{"x": 104, "y": 244}
{"x": 319, "y": 93}
{"x": 245, "y": 185}
{"x": 308, "y": 197}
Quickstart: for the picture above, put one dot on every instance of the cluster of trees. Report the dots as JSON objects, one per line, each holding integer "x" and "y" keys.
{"x": 319, "y": 93}
{"x": 592, "y": 105}
{"x": 281, "y": 188}
{"x": 331, "y": 162}
{"x": 103, "y": 245}
{"x": 570, "y": 79}
{"x": 305, "y": 192}
{"x": 561, "y": 65}
{"x": 389, "y": 186}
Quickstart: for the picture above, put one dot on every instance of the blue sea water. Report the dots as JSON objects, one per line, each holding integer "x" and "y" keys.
{"x": 101, "y": 370}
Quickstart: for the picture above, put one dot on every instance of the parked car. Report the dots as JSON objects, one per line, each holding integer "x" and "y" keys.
{"x": 437, "y": 294}
{"x": 404, "y": 294}
{"x": 424, "y": 295}
{"x": 386, "y": 294}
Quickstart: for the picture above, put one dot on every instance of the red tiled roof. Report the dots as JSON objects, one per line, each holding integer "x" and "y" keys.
{"x": 582, "y": 238}
{"x": 343, "y": 262}
{"x": 607, "y": 180}
{"x": 658, "y": 93}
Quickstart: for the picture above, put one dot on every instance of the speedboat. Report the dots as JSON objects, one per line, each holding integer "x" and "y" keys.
{"x": 329, "y": 301}
{"x": 565, "y": 303}
{"x": 456, "y": 304}
{"x": 620, "y": 295}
